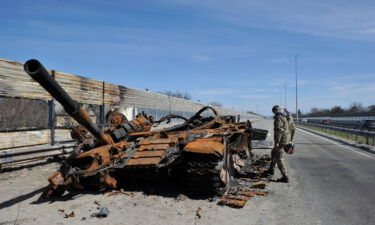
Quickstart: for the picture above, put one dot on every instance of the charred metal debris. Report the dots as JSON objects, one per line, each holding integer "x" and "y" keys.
{"x": 207, "y": 152}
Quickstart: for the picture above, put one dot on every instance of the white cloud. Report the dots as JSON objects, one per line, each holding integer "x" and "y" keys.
{"x": 350, "y": 90}
{"x": 257, "y": 89}
{"x": 281, "y": 82}
{"x": 279, "y": 60}
{"x": 368, "y": 31}
{"x": 220, "y": 91}
{"x": 255, "y": 97}
{"x": 366, "y": 77}
{"x": 277, "y": 82}
{"x": 200, "y": 58}
{"x": 344, "y": 19}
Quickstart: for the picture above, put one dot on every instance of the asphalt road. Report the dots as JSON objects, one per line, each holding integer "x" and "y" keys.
{"x": 329, "y": 184}
{"x": 335, "y": 182}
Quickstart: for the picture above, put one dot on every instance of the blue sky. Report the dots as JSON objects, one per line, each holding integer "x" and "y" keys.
{"x": 235, "y": 52}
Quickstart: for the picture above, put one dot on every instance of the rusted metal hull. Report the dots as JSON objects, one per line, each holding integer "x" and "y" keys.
{"x": 155, "y": 150}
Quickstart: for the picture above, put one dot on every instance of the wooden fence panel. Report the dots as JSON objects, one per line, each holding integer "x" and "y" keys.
{"x": 24, "y": 138}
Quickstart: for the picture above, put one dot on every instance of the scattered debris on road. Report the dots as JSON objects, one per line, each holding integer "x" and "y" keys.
{"x": 181, "y": 197}
{"x": 260, "y": 185}
{"x": 131, "y": 194}
{"x": 69, "y": 215}
{"x": 103, "y": 212}
{"x": 198, "y": 213}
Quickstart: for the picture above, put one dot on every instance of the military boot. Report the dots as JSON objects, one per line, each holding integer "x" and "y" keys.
{"x": 284, "y": 179}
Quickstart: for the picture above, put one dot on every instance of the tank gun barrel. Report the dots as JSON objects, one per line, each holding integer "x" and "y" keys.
{"x": 37, "y": 71}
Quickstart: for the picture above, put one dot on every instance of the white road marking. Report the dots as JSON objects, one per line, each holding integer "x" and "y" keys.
{"x": 351, "y": 149}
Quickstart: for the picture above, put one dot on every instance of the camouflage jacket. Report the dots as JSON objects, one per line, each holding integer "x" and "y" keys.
{"x": 291, "y": 129}
{"x": 280, "y": 129}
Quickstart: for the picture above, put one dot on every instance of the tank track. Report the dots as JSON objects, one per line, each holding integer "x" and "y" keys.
{"x": 203, "y": 174}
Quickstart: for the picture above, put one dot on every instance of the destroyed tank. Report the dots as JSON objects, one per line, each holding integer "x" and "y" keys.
{"x": 202, "y": 151}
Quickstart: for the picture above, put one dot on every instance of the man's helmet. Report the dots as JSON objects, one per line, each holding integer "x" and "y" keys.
{"x": 289, "y": 148}
{"x": 275, "y": 108}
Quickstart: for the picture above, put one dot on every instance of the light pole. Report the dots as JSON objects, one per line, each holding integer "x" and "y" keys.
{"x": 169, "y": 101}
{"x": 285, "y": 96}
{"x": 295, "y": 71}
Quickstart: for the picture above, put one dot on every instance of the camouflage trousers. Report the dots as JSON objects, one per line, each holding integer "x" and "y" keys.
{"x": 277, "y": 157}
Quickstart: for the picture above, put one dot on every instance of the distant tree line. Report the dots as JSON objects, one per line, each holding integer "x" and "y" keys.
{"x": 185, "y": 95}
{"x": 177, "y": 94}
{"x": 215, "y": 103}
{"x": 251, "y": 112}
{"x": 355, "y": 109}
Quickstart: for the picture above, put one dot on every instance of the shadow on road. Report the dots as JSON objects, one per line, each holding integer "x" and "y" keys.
{"x": 20, "y": 198}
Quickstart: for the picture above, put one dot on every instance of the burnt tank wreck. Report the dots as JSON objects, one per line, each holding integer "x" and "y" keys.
{"x": 205, "y": 152}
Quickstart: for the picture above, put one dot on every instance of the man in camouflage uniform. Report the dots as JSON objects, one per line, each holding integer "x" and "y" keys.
{"x": 280, "y": 140}
{"x": 291, "y": 127}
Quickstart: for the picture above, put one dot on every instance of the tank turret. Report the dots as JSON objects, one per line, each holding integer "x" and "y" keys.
{"x": 37, "y": 71}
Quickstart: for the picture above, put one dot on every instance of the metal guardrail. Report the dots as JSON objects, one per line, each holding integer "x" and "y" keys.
{"x": 350, "y": 118}
{"x": 361, "y": 123}
{"x": 362, "y": 133}
{"x": 37, "y": 152}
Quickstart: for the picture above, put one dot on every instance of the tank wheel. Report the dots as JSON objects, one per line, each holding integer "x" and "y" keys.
{"x": 203, "y": 174}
